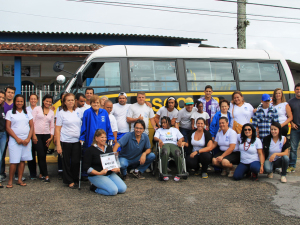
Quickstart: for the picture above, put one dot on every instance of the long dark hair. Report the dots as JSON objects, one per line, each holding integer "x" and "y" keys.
{"x": 171, "y": 98}
{"x": 44, "y": 98}
{"x": 15, "y": 107}
{"x": 279, "y": 127}
{"x": 244, "y": 137}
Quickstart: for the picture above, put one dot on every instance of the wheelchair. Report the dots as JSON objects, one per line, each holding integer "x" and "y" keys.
{"x": 157, "y": 164}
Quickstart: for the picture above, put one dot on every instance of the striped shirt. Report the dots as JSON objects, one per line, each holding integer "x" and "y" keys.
{"x": 43, "y": 124}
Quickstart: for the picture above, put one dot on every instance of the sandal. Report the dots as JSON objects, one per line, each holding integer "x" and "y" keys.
{"x": 74, "y": 186}
{"x": 1, "y": 186}
{"x": 22, "y": 184}
{"x": 9, "y": 186}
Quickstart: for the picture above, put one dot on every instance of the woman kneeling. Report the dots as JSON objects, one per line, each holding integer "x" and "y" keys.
{"x": 103, "y": 181}
{"x": 169, "y": 138}
{"x": 276, "y": 151}
{"x": 252, "y": 159}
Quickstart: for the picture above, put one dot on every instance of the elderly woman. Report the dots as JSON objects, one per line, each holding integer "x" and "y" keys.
{"x": 67, "y": 132}
{"x": 102, "y": 101}
{"x": 252, "y": 158}
{"x": 228, "y": 155}
{"x": 103, "y": 181}
{"x": 199, "y": 148}
{"x": 276, "y": 151}
{"x": 169, "y": 140}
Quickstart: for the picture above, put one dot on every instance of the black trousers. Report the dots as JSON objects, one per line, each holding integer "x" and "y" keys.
{"x": 285, "y": 130}
{"x": 41, "y": 150}
{"x": 71, "y": 161}
{"x": 32, "y": 164}
{"x": 203, "y": 158}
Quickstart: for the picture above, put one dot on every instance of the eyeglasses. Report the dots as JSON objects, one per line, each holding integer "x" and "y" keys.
{"x": 247, "y": 129}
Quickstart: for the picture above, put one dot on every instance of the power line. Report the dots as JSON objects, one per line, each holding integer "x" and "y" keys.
{"x": 252, "y": 3}
{"x": 165, "y": 10}
{"x": 172, "y": 7}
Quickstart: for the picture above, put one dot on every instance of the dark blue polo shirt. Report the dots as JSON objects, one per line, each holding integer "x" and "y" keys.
{"x": 130, "y": 148}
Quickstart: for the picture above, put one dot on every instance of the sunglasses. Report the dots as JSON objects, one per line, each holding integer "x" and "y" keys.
{"x": 247, "y": 129}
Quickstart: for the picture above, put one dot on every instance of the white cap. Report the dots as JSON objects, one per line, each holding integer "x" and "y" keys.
{"x": 122, "y": 93}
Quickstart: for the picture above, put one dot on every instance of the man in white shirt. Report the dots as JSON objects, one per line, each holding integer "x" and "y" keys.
{"x": 108, "y": 106}
{"x": 89, "y": 92}
{"x": 80, "y": 100}
{"x": 141, "y": 111}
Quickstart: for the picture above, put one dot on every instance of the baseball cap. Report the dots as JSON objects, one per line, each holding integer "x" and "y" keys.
{"x": 189, "y": 101}
{"x": 122, "y": 93}
{"x": 265, "y": 97}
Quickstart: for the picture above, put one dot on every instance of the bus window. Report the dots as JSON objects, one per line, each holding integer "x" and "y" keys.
{"x": 218, "y": 86}
{"x": 254, "y": 71}
{"x": 205, "y": 70}
{"x": 104, "y": 75}
{"x": 153, "y": 75}
{"x": 251, "y": 86}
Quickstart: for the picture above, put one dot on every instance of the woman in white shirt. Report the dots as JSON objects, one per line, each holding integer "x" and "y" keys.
{"x": 199, "y": 148}
{"x": 284, "y": 111}
{"x": 241, "y": 111}
{"x": 252, "y": 158}
{"x": 33, "y": 99}
{"x": 67, "y": 132}
{"x": 170, "y": 140}
{"x": 228, "y": 154}
{"x": 19, "y": 126}
{"x": 276, "y": 150}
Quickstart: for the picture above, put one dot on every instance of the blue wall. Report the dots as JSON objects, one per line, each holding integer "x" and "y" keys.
{"x": 96, "y": 39}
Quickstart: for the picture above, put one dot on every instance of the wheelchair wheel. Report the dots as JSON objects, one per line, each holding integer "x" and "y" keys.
{"x": 160, "y": 177}
{"x": 184, "y": 177}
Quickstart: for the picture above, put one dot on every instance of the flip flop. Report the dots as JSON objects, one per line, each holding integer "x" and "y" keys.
{"x": 1, "y": 186}
{"x": 9, "y": 186}
{"x": 22, "y": 184}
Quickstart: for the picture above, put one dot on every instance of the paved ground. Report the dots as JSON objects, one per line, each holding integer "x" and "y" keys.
{"x": 216, "y": 200}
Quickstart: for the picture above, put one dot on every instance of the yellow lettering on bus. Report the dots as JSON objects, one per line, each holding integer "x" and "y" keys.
{"x": 156, "y": 102}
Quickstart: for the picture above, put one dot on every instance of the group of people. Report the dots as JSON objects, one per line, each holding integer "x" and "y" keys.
{"x": 211, "y": 132}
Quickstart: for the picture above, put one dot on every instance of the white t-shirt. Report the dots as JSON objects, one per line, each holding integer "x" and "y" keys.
{"x": 70, "y": 123}
{"x": 113, "y": 123}
{"x": 276, "y": 147}
{"x": 281, "y": 111}
{"x": 265, "y": 111}
{"x": 135, "y": 110}
{"x": 120, "y": 113}
{"x": 224, "y": 140}
{"x": 86, "y": 106}
{"x": 184, "y": 118}
{"x": 163, "y": 111}
{"x": 171, "y": 135}
{"x": 197, "y": 145}
{"x": 29, "y": 109}
{"x": 250, "y": 155}
{"x": 19, "y": 123}
{"x": 197, "y": 115}
{"x": 242, "y": 114}
{"x": 224, "y": 115}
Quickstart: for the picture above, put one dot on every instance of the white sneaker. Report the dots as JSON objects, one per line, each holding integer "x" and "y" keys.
{"x": 224, "y": 172}
{"x": 131, "y": 171}
{"x": 176, "y": 178}
{"x": 148, "y": 170}
{"x": 278, "y": 170}
{"x": 166, "y": 178}
{"x": 23, "y": 178}
{"x": 270, "y": 175}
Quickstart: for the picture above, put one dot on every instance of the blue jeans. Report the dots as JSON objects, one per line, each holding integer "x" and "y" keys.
{"x": 2, "y": 145}
{"x": 108, "y": 185}
{"x": 295, "y": 138}
{"x": 185, "y": 133}
{"x": 135, "y": 162}
{"x": 242, "y": 168}
{"x": 282, "y": 163}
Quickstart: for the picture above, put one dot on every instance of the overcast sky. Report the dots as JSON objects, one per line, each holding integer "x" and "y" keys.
{"x": 70, "y": 16}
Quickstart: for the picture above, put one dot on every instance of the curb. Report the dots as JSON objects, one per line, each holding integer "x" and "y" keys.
{"x": 49, "y": 159}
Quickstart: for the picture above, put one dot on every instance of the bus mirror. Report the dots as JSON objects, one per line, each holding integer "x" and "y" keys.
{"x": 58, "y": 66}
{"x": 61, "y": 79}
{"x": 79, "y": 80}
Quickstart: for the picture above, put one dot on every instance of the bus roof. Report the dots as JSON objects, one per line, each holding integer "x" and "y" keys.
{"x": 182, "y": 52}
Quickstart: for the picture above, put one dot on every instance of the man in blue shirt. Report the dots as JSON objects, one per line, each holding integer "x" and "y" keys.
{"x": 264, "y": 116}
{"x": 136, "y": 151}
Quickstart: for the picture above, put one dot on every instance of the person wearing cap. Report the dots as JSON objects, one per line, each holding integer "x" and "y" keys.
{"x": 264, "y": 117}
{"x": 183, "y": 122}
{"x": 140, "y": 111}
{"x": 169, "y": 110}
{"x": 210, "y": 105}
{"x": 119, "y": 111}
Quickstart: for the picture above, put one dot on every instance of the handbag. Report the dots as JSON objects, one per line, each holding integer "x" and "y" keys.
{"x": 236, "y": 126}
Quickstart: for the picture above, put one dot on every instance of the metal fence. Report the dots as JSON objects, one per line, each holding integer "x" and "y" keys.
{"x": 40, "y": 91}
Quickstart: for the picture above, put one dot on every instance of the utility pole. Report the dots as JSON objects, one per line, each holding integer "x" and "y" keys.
{"x": 242, "y": 23}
